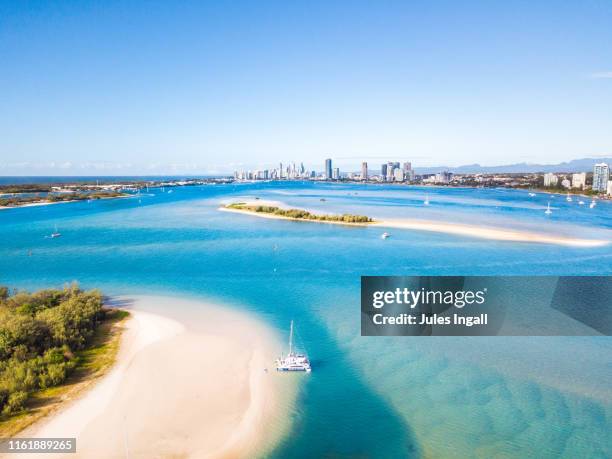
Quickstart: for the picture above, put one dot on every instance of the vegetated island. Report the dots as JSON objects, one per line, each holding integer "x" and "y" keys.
{"x": 299, "y": 214}
{"x": 53, "y": 344}
{"x": 21, "y": 200}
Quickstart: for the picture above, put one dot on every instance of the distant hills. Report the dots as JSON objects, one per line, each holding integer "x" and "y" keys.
{"x": 576, "y": 165}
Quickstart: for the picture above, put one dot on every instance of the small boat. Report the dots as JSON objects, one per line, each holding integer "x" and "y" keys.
{"x": 593, "y": 204}
{"x": 548, "y": 211}
{"x": 293, "y": 361}
{"x": 55, "y": 233}
{"x": 384, "y": 235}
{"x": 170, "y": 191}
{"x": 532, "y": 194}
{"x": 569, "y": 198}
{"x": 581, "y": 203}
{"x": 426, "y": 202}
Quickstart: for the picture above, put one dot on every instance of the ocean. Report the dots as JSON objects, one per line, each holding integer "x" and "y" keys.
{"x": 367, "y": 396}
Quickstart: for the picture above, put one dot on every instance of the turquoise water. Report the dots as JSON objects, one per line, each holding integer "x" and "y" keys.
{"x": 367, "y": 396}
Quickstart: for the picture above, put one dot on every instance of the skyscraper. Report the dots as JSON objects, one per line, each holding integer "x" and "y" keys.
{"x": 390, "y": 169}
{"x": 383, "y": 171}
{"x": 364, "y": 171}
{"x": 407, "y": 166}
{"x": 328, "y": 169}
{"x": 601, "y": 174}
{"x": 336, "y": 173}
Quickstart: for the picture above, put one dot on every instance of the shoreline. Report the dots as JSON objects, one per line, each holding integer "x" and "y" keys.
{"x": 48, "y": 203}
{"x": 490, "y": 233}
{"x": 179, "y": 390}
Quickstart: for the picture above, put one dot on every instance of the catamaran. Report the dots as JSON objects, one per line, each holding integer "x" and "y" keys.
{"x": 548, "y": 211}
{"x": 293, "y": 361}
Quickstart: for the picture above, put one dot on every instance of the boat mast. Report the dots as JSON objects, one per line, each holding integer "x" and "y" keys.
{"x": 291, "y": 339}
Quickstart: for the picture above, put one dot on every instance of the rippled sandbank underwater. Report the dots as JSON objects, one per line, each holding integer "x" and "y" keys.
{"x": 367, "y": 396}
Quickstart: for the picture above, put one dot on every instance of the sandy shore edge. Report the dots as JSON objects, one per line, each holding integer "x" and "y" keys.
{"x": 179, "y": 392}
{"x": 497, "y": 234}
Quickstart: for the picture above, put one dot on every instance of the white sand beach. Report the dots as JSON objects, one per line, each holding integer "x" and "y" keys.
{"x": 482, "y": 232}
{"x": 181, "y": 391}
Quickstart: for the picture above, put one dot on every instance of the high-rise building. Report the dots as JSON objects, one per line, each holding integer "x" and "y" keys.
{"x": 443, "y": 177}
{"x": 328, "y": 169}
{"x": 579, "y": 180}
{"x": 390, "y": 169}
{"x": 609, "y": 188}
{"x": 280, "y": 171}
{"x": 550, "y": 179}
{"x": 601, "y": 175}
{"x": 398, "y": 174}
{"x": 407, "y": 166}
{"x": 364, "y": 170}
{"x": 383, "y": 171}
{"x": 336, "y": 173}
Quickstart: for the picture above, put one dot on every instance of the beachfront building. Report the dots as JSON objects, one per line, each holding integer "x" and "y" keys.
{"x": 550, "y": 179}
{"x": 398, "y": 175}
{"x": 601, "y": 175}
{"x": 609, "y": 193}
{"x": 443, "y": 177}
{"x": 565, "y": 183}
{"x": 391, "y": 168}
{"x": 328, "y": 169}
{"x": 364, "y": 170}
{"x": 336, "y": 173}
{"x": 579, "y": 180}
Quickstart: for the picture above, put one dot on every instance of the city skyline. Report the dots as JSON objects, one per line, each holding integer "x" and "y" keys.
{"x": 204, "y": 88}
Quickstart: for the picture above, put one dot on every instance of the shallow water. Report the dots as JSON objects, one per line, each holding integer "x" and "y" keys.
{"x": 367, "y": 396}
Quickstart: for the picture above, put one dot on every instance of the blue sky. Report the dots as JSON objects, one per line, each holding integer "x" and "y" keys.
{"x": 137, "y": 87}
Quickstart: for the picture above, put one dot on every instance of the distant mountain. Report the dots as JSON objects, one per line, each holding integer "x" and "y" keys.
{"x": 576, "y": 165}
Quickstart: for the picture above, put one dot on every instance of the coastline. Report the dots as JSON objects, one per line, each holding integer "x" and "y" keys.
{"x": 48, "y": 203}
{"x": 180, "y": 391}
{"x": 482, "y": 232}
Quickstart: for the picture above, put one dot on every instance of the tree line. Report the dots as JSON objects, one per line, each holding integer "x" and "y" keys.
{"x": 40, "y": 334}
{"x": 302, "y": 214}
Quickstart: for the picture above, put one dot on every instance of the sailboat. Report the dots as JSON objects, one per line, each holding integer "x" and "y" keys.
{"x": 593, "y": 204}
{"x": 426, "y": 202}
{"x": 55, "y": 233}
{"x": 548, "y": 211}
{"x": 569, "y": 198}
{"x": 293, "y": 361}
